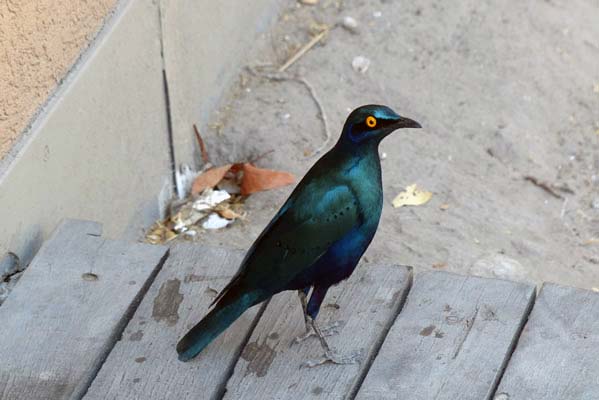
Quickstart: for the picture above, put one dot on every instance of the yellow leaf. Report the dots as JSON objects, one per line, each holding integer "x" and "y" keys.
{"x": 412, "y": 196}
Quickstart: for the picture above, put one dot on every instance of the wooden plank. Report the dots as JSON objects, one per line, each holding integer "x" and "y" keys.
{"x": 144, "y": 364}
{"x": 365, "y": 307}
{"x": 557, "y": 356}
{"x": 63, "y": 317}
{"x": 451, "y": 340}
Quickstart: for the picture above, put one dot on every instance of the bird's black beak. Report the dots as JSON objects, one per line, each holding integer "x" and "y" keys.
{"x": 403, "y": 122}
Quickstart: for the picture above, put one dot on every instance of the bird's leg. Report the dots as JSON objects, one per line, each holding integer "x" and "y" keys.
{"x": 303, "y": 295}
{"x": 330, "y": 355}
{"x": 328, "y": 331}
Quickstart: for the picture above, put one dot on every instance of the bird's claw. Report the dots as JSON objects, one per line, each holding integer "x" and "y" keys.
{"x": 326, "y": 332}
{"x": 333, "y": 358}
{"x": 303, "y": 337}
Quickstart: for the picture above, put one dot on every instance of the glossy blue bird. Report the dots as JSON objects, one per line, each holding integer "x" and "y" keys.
{"x": 317, "y": 237}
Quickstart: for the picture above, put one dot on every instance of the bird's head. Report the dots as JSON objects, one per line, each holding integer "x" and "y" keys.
{"x": 371, "y": 123}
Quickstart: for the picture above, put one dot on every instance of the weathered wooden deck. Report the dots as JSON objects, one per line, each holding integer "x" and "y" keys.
{"x": 99, "y": 319}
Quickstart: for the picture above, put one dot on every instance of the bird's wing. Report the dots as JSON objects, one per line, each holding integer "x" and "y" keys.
{"x": 313, "y": 218}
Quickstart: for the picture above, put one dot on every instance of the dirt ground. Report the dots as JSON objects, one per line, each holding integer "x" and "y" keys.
{"x": 504, "y": 90}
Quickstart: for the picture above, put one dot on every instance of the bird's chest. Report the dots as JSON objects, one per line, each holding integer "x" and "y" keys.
{"x": 343, "y": 256}
{"x": 365, "y": 181}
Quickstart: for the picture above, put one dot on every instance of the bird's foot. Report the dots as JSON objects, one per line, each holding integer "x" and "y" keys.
{"x": 326, "y": 332}
{"x": 333, "y": 358}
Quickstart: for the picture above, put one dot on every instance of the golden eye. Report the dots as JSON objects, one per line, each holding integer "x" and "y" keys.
{"x": 370, "y": 121}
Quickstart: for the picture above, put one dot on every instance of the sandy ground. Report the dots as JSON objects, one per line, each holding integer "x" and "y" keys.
{"x": 504, "y": 90}
{"x": 39, "y": 41}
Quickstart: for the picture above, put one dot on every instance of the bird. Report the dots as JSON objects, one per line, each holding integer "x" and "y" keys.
{"x": 317, "y": 237}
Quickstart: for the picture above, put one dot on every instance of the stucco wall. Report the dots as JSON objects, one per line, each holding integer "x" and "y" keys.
{"x": 39, "y": 41}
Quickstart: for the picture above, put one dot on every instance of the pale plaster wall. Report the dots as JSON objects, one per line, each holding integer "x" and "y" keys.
{"x": 39, "y": 42}
{"x": 98, "y": 149}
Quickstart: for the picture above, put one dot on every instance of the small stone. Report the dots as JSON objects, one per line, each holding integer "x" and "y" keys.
{"x": 377, "y": 14}
{"x": 190, "y": 233}
{"x": 89, "y": 276}
{"x": 500, "y": 266}
{"x": 309, "y": 2}
{"x": 360, "y": 64}
{"x": 350, "y": 24}
{"x": 595, "y": 203}
{"x": 9, "y": 265}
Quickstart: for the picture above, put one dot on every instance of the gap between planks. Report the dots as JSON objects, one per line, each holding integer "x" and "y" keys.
{"x": 515, "y": 342}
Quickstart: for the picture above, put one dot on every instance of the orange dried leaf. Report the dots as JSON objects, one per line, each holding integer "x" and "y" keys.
{"x": 227, "y": 213}
{"x": 257, "y": 179}
{"x": 209, "y": 179}
{"x": 237, "y": 167}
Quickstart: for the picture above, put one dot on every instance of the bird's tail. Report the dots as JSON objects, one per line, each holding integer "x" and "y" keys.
{"x": 226, "y": 311}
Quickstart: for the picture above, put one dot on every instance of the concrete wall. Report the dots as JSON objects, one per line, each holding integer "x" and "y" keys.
{"x": 205, "y": 44}
{"x": 99, "y": 149}
{"x": 39, "y": 41}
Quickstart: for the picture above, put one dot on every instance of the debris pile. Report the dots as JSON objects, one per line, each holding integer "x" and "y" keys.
{"x": 215, "y": 199}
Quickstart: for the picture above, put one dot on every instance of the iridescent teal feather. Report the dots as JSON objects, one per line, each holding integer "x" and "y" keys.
{"x": 319, "y": 234}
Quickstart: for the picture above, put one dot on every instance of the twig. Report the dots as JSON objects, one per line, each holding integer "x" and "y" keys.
{"x": 201, "y": 143}
{"x": 563, "y": 212}
{"x": 323, "y": 116}
{"x": 563, "y": 188}
{"x": 303, "y": 50}
{"x": 543, "y": 185}
{"x": 253, "y": 160}
{"x": 280, "y": 77}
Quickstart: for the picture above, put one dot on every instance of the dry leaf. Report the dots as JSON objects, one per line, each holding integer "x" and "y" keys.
{"x": 159, "y": 233}
{"x": 412, "y": 196}
{"x": 186, "y": 217}
{"x": 225, "y": 211}
{"x": 439, "y": 265}
{"x": 209, "y": 179}
{"x": 444, "y": 207}
{"x": 257, "y": 179}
